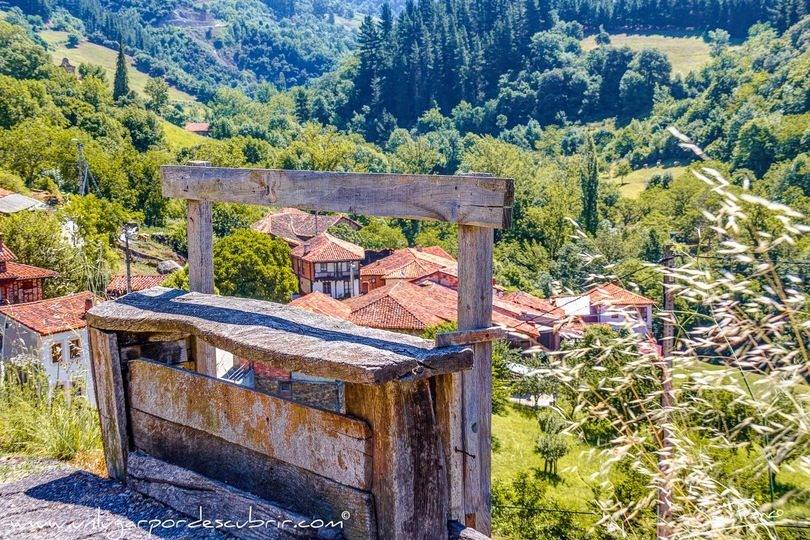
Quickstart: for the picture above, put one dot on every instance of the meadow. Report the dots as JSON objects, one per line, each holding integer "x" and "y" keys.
{"x": 687, "y": 52}
{"x": 91, "y": 53}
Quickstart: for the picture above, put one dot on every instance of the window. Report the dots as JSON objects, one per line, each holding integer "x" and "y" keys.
{"x": 56, "y": 353}
{"x": 75, "y": 349}
{"x": 327, "y": 287}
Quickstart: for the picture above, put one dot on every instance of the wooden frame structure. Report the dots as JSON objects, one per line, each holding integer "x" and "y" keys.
{"x": 410, "y": 452}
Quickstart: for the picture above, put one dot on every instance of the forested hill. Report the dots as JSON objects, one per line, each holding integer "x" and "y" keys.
{"x": 198, "y": 46}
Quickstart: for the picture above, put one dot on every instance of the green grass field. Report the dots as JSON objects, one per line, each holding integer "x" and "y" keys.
{"x": 686, "y": 52}
{"x": 178, "y": 138}
{"x": 634, "y": 183}
{"x": 90, "y": 53}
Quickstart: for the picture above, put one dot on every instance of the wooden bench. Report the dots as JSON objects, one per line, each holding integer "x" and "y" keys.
{"x": 408, "y": 450}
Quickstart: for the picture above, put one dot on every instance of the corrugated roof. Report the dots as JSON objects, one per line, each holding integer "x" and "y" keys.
{"x": 52, "y": 316}
{"x": 327, "y": 248}
{"x": 15, "y": 202}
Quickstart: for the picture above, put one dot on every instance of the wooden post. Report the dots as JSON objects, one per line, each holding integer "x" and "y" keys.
{"x": 474, "y": 313}
{"x": 201, "y": 268}
{"x": 105, "y": 363}
{"x": 409, "y": 483}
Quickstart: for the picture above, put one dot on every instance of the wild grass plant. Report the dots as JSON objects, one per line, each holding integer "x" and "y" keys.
{"x": 38, "y": 421}
{"x": 730, "y": 449}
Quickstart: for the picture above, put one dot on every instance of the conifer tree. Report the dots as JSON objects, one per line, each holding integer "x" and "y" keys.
{"x": 589, "y": 182}
{"x": 121, "y": 83}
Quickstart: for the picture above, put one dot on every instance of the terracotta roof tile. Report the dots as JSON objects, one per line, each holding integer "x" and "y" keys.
{"x": 196, "y": 127}
{"x": 538, "y": 305}
{"x": 118, "y": 284}
{"x": 15, "y": 270}
{"x": 327, "y": 248}
{"x": 294, "y": 226}
{"x": 317, "y": 302}
{"x": 612, "y": 294}
{"x": 409, "y": 263}
{"x": 6, "y": 254}
{"x": 53, "y": 315}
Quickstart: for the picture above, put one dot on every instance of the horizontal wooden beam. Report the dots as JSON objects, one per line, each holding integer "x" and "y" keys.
{"x": 479, "y": 200}
{"x": 468, "y": 337}
{"x": 326, "y": 443}
{"x": 285, "y": 337}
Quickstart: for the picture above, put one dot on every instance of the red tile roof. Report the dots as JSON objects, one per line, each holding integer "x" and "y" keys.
{"x": 317, "y": 302}
{"x": 5, "y": 253}
{"x": 198, "y": 127}
{"x": 410, "y": 263}
{"x": 295, "y": 227}
{"x": 53, "y": 315}
{"x": 327, "y": 248}
{"x": 15, "y": 270}
{"x": 539, "y": 305}
{"x": 610, "y": 294}
{"x": 405, "y": 306}
{"x": 118, "y": 284}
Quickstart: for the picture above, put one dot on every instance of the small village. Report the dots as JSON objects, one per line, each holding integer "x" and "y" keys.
{"x": 408, "y": 290}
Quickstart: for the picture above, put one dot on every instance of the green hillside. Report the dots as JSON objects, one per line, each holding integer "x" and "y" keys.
{"x": 91, "y": 53}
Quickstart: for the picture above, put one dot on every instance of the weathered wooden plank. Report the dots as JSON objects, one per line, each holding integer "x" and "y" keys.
{"x": 243, "y": 515}
{"x": 409, "y": 483}
{"x": 290, "y": 487}
{"x": 475, "y": 312}
{"x": 201, "y": 271}
{"x": 285, "y": 337}
{"x": 468, "y": 337}
{"x": 447, "y": 394}
{"x": 474, "y": 200}
{"x": 326, "y": 443}
{"x": 108, "y": 382}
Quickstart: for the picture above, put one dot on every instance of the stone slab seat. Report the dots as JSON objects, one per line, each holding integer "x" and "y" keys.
{"x": 283, "y": 336}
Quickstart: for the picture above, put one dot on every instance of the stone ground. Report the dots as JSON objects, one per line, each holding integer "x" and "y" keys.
{"x": 47, "y": 500}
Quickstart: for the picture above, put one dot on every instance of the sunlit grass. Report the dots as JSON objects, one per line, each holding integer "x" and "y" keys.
{"x": 687, "y": 52}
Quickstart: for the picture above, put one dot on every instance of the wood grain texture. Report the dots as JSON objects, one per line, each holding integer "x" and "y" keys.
{"x": 475, "y": 312}
{"x": 475, "y": 200}
{"x": 448, "y": 406}
{"x": 409, "y": 482}
{"x": 326, "y": 443}
{"x": 201, "y": 271}
{"x": 285, "y": 337}
{"x": 291, "y": 487}
{"x": 108, "y": 382}
{"x": 457, "y": 531}
{"x": 201, "y": 499}
{"x": 468, "y": 337}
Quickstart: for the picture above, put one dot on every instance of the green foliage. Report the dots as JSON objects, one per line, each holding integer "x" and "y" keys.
{"x": 121, "y": 79}
{"x": 227, "y": 217}
{"x": 44, "y": 422}
{"x": 378, "y": 234}
{"x": 20, "y": 57}
{"x": 253, "y": 265}
{"x": 589, "y": 184}
{"x": 73, "y": 40}
{"x": 157, "y": 92}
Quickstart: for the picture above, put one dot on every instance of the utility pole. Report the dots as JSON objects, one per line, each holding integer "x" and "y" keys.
{"x": 130, "y": 229}
{"x": 663, "y": 530}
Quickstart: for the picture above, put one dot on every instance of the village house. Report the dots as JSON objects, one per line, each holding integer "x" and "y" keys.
{"x": 118, "y": 284}
{"x": 20, "y": 282}
{"x": 199, "y": 128}
{"x": 54, "y": 332}
{"x": 321, "y": 261}
{"x": 329, "y": 265}
{"x": 405, "y": 264}
{"x": 612, "y": 305}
